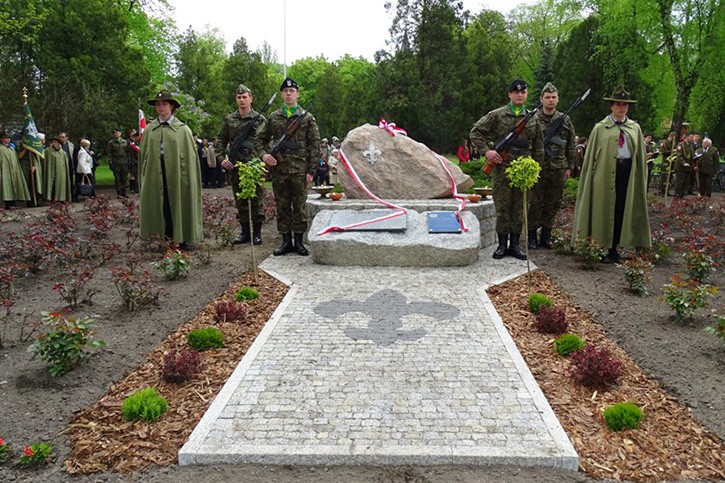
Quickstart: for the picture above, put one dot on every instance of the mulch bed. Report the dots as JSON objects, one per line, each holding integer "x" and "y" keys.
{"x": 669, "y": 443}
{"x": 103, "y": 440}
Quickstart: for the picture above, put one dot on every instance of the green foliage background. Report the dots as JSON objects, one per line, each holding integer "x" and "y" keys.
{"x": 89, "y": 65}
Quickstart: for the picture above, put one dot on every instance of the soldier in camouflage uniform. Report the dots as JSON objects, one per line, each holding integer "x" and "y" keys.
{"x": 132, "y": 150}
{"x": 559, "y": 161}
{"x": 233, "y": 126}
{"x": 292, "y": 170}
{"x": 508, "y": 200}
{"x": 118, "y": 160}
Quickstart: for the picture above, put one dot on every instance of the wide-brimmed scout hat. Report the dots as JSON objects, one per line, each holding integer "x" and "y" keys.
{"x": 164, "y": 96}
{"x": 621, "y": 94}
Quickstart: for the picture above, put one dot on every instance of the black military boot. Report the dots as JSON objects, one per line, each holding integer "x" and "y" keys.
{"x": 500, "y": 252}
{"x": 257, "y": 232}
{"x": 299, "y": 247}
{"x": 545, "y": 240}
{"x": 286, "y": 246}
{"x": 244, "y": 237}
{"x": 514, "y": 248}
{"x": 532, "y": 239}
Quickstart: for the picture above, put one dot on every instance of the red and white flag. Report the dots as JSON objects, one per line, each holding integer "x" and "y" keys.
{"x": 141, "y": 124}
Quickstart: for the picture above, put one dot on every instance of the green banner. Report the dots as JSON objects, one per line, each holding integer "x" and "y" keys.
{"x": 31, "y": 141}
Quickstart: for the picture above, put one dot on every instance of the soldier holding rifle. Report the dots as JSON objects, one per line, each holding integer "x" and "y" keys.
{"x": 503, "y": 123}
{"x": 236, "y": 141}
{"x": 290, "y": 142}
{"x": 559, "y": 161}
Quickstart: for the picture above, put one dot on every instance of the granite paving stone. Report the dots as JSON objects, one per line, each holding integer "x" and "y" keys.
{"x": 382, "y": 365}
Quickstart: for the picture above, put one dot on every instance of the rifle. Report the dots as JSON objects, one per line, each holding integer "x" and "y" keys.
{"x": 506, "y": 140}
{"x": 237, "y": 148}
{"x": 288, "y": 134}
{"x": 550, "y": 134}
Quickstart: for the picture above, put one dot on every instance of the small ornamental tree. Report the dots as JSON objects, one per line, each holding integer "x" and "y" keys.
{"x": 251, "y": 175}
{"x": 523, "y": 173}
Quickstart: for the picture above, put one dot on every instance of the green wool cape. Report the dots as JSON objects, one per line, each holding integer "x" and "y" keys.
{"x": 594, "y": 212}
{"x": 183, "y": 179}
{"x": 12, "y": 182}
{"x": 57, "y": 178}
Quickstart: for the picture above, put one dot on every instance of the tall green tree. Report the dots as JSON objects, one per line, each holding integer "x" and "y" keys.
{"x": 489, "y": 63}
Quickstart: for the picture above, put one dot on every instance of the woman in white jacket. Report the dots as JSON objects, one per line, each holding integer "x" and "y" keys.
{"x": 85, "y": 168}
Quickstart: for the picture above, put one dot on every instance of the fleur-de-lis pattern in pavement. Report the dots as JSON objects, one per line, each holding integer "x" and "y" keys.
{"x": 386, "y": 308}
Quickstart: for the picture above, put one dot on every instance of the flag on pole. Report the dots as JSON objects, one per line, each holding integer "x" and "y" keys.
{"x": 30, "y": 139}
{"x": 141, "y": 124}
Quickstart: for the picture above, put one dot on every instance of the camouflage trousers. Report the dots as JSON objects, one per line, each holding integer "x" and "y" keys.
{"x": 509, "y": 202}
{"x": 290, "y": 195}
{"x": 120, "y": 176}
{"x": 545, "y": 198}
{"x": 243, "y": 206}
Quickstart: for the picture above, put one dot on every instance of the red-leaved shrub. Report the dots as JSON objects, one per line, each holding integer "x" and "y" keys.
{"x": 594, "y": 367}
{"x": 229, "y": 311}
{"x": 551, "y": 320}
{"x": 180, "y": 366}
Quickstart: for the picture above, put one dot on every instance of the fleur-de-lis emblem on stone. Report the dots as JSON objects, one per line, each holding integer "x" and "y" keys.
{"x": 372, "y": 154}
{"x": 386, "y": 308}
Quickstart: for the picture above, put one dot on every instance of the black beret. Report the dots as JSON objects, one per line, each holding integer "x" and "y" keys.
{"x": 518, "y": 85}
{"x": 289, "y": 82}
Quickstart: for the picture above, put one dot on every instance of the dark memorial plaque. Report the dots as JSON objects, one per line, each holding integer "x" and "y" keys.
{"x": 443, "y": 222}
{"x": 350, "y": 217}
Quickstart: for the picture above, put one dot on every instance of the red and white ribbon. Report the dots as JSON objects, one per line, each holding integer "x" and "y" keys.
{"x": 392, "y": 128}
{"x": 353, "y": 174}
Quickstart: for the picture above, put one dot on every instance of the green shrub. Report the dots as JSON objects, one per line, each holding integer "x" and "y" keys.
{"x": 206, "y": 338}
{"x": 173, "y": 266}
{"x": 473, "y": 169}
{"x": 568, "y": 343}
{"x": 623, "y": 415}
{"x": 718, "y": 329}
{"x": 145, "y": 404}
{"x": 338, "y": 188}
{"x": 538, "y": 300}
{"x": 246, "y": 293}
{"x": 571, "y": 186}
{"x": 65, "y": 342}
{"x": 590, "y": 252}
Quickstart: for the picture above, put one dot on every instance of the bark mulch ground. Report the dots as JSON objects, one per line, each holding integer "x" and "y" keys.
{"x": 669, "y": 443}
{"x": 103, "y": 441}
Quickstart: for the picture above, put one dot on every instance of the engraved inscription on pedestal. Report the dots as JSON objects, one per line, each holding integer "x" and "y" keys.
{"x": 351, "y": 217}
{"x": 385, "y": 310}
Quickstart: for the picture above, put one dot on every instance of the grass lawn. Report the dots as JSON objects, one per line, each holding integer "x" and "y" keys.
{"x": 104, "y": 176}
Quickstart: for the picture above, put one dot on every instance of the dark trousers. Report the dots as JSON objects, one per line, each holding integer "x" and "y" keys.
{"x": 624, "y": 168}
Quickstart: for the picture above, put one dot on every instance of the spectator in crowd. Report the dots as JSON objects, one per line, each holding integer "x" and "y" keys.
{"x": 321, "y": 174}
{"x": 70, "y": 150}
{"x": 683, "y": 166}
{"x": 132, "y": 151}
{"x": 667, "y": 149}
{"x": 611, "y": 202}
{"x": 334, "y": 164}
{"x": 170, "y": 181}
{"x": 708, "y": 166}
{"x": 34, "y": 172}
{"x": 464, "y": 155}
{"x": 58, "y": 184}
{"x": 650, "y": 149}
{"x": 84, "y": 170}
{"x": 12, "y": 183}
{"x": 118, "y": 161}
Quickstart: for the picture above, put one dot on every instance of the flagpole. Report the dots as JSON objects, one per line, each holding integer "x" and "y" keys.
{"x": 284, "y": 39}
{"x": 31, "y": 163}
